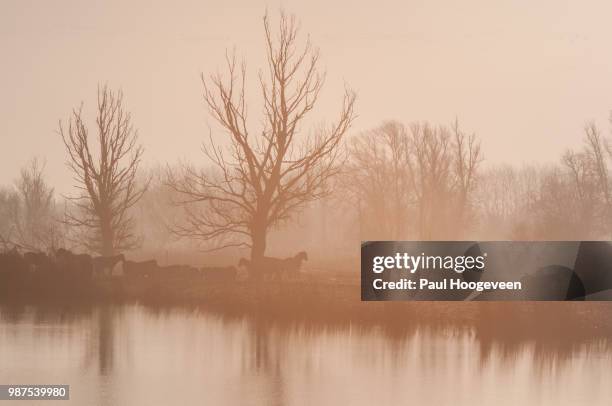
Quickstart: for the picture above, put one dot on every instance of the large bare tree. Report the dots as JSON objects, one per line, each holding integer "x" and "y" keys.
{"x": 104, "y": 168}
{"x": 259, "y": 178}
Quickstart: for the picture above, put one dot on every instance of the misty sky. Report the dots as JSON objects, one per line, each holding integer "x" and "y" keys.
{"x": 524, "y": 75}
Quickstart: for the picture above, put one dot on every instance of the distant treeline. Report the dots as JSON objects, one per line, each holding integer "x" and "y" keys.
{"x": 429, "y": 182}
{"x": 399, "y": 182}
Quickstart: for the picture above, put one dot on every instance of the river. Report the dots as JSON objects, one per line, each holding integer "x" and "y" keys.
{"x": 135, "y": 355}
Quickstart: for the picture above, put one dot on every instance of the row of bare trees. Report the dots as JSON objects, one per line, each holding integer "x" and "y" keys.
{"x": 412, "y": 181}
{"x": 428, "y": 182}
{"x": 386, "y": 187}
{"x": 396, "y": 181}
{"x": 570, "y": 200}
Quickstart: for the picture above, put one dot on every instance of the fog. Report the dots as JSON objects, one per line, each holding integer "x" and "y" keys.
{"x": 525, "y": 77}
{"x": 186, "y": 187}
{"x": 456, "y": 123}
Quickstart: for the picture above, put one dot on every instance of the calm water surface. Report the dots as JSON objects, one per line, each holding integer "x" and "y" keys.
{"x": 132, "y": 355}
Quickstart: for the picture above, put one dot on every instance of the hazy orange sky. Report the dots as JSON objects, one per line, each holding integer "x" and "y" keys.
{"x": 524, "y": 75}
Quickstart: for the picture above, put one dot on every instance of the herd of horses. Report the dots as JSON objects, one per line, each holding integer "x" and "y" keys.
{"x": 65, "y": 264}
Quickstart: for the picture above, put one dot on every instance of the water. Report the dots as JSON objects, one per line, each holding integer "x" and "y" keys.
{"x": 132, "y": 355}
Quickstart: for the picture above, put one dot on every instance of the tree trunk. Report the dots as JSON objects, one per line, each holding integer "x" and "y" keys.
{"x": 259, "y": 233}
{"x": 107, "y": 238}
{"x": 259, "y": 244}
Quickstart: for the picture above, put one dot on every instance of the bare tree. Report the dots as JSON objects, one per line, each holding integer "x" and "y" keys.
{"x": 597, "y": 149}
{"x": 467, "y": 159}
{"x": 9, "y": 205}
{"x": 35, "y": 221}
{"x": 260, "y": 179}
{"x": 431, "y": 175}
{"x": 28, "y": 214}
{"x": 588, "y": 170}
{"x": 104, "y": 170}
{"x": 377, "y": 181}
{"x": 584, "y": 179}
{"x": 498, "y": 200}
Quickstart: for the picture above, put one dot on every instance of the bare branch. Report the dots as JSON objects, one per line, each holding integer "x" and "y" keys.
{"x": 105, "y": 174}
{"x": 261, "y": 178}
